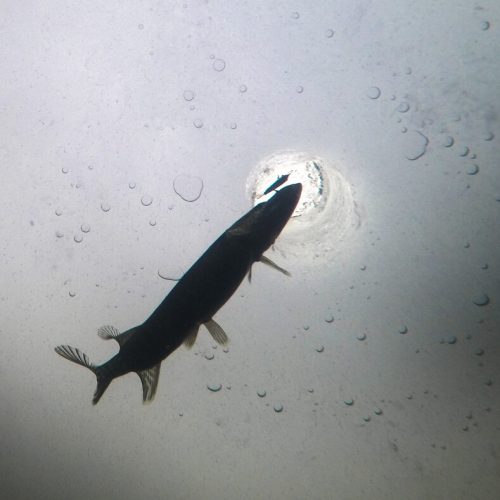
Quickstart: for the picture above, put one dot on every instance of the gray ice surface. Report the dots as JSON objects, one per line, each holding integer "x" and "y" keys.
{"x": 128, "y": 132}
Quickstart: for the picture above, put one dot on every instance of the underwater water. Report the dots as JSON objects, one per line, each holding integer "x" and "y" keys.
{"x": 134, "y": 133}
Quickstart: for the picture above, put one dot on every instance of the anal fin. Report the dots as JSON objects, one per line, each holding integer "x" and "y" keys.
{"x": 149, "y": 379}
{"x": 217, "y": 332}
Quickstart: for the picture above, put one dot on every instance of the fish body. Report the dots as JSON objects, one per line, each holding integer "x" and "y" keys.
{"x": 195, "y": 299}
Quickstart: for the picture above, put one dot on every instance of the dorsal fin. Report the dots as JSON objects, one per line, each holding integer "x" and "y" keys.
{"x": 191, "y": 337}
{"x": 217, "y": 332}
{"x": 110, "y": 332}
{"x": 149, "y": 379}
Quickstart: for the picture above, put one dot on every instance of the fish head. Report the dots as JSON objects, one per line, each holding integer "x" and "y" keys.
{"x": 259, "y": 228}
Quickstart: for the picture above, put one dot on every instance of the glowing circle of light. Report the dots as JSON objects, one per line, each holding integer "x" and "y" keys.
{"x": 326, "y": 213}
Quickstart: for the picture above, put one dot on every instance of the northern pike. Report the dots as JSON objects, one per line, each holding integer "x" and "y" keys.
{"x": 195, "y": 299}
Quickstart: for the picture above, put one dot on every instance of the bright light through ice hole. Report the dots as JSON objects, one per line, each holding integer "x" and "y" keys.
{"x": 326, "y": 210}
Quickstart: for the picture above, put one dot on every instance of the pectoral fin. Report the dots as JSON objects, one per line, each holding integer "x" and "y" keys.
{"x": 191, "y": 337}
{"x": 218, "y": 334}
{"x": 110, "y": 332}
{"x": 149, "y": 379}
{"x": 269, "y": 262}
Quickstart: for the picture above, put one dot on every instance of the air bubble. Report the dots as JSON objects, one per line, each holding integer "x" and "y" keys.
{"x": 361, "y": 336}
{"x": 219, "y": 65}
{"x": 209, "y": 356}
{"x": 166, "y": 276}
{"x": 146, "y": 200}
{"x": 131, "y": 185}
{"x": 320, "y": 348}
{"x": 187, "y": 187}
{"x": 78, "y": 238}
{"x": 373, "y": 93}
{"x": 480, "y": 299}
{"x": 403, "y": 329}
{"x": 488, "y": 136}
{"x": 71, "y": 293}
{"x": 261, "y": 393}
{"x": 233, "y": 126}
{"x": 485, "y": 25}
{"x": 85, "y": 228}
{"x": 243, "y": 88}
{"x": 278, "y": 408}
{"x": 59, "y": 234}
{"x": 448, "y": 141}
{"x": 349, "y": 402}
{"x": 403, "y": 107}
{"x": 472, "y": 169}
{"x": 329, "y": 33}
{"x": 377, "y": 410}
{"x": 188, "y": 95}
{"x": 464, "y": 151}
{"x": 198, "y": 123}
{"x": 451, "y": 340}
{"x": 64, "y": 170}
{"x": 214, "y": 387}
{"x": 152, "y": 222}
{"x": 329, "y": 318}
{"x": 295, "y": 15}
{"x": 299, "y": 89}
{"x": 416, "y": 145}
{"x": 105, "y": 207}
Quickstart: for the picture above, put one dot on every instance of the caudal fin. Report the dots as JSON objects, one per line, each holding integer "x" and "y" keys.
{"x": 80, "y": 358}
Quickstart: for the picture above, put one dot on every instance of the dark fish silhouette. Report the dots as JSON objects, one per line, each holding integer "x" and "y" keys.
{"x": 276, "y": 184}
{"x": 194, "y": 300}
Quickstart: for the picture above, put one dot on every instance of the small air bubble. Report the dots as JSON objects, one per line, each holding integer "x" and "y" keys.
{"x": 64, "y": 170}
{"x": 403, "y": 107}
{"x": 377, "y": 411}
{"x": 299, "y": 89}
{"x": 219, "y": 65}
{"x": 188, "y": 95}
{"x": 233, "y": 126}
{"x": 373, "y": 93}
{"x": 403, "y": 329}
{"x": 363, "y": 268}
{"x": 464, "y": 151}
{"x": 305, "y": 328}
{"x": 349, "y": 402}
{"x": 198, "y": 123}
{"x": 481, "y": 299}
{"x": 85, "y": 228}
{"x": 140, "y": 26}
{"x": 408, "y": 70}
{"x": 71, "y": 293}
{"x": 243, "y": 88}
{"x": 329, "y": 33}
{"x": 485, "y": 25}
{"x": 214, "y": 387}
{"x": 361, "y": 336}
{"x": 152, "y": 222}
{"x": 105, "y": 207}
{"x": 472, "y": 169}
{"x": 295, "y": 15}
{"x": 131, "y": 185}
{"x": 59, "y": 234}
{"x": 416, "y": 144}
{"x": 329, "y": 318}
{"x": 488, "y": 136}
{"x": 58, "y": 212}
{"x": 146, "y": 200}
{"x": 367, "y": 418}
{"x": 448, "y": 141}
{"x": 209, "y": 356}
{"x": 479, "y": 352}
{"x": 278, "y": 408}
{"x": 78, "y": 238}
{"x": 320, "y": 348}
{"x": 451, "y": 339}
{"x": 261, "y": 393}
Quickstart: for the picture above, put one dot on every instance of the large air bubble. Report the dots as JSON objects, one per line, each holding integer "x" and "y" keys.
{"x": 326, "y": 213}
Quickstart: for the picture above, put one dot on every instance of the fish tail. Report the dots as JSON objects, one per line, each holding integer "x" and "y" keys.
{"x": 102, "y": 374}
